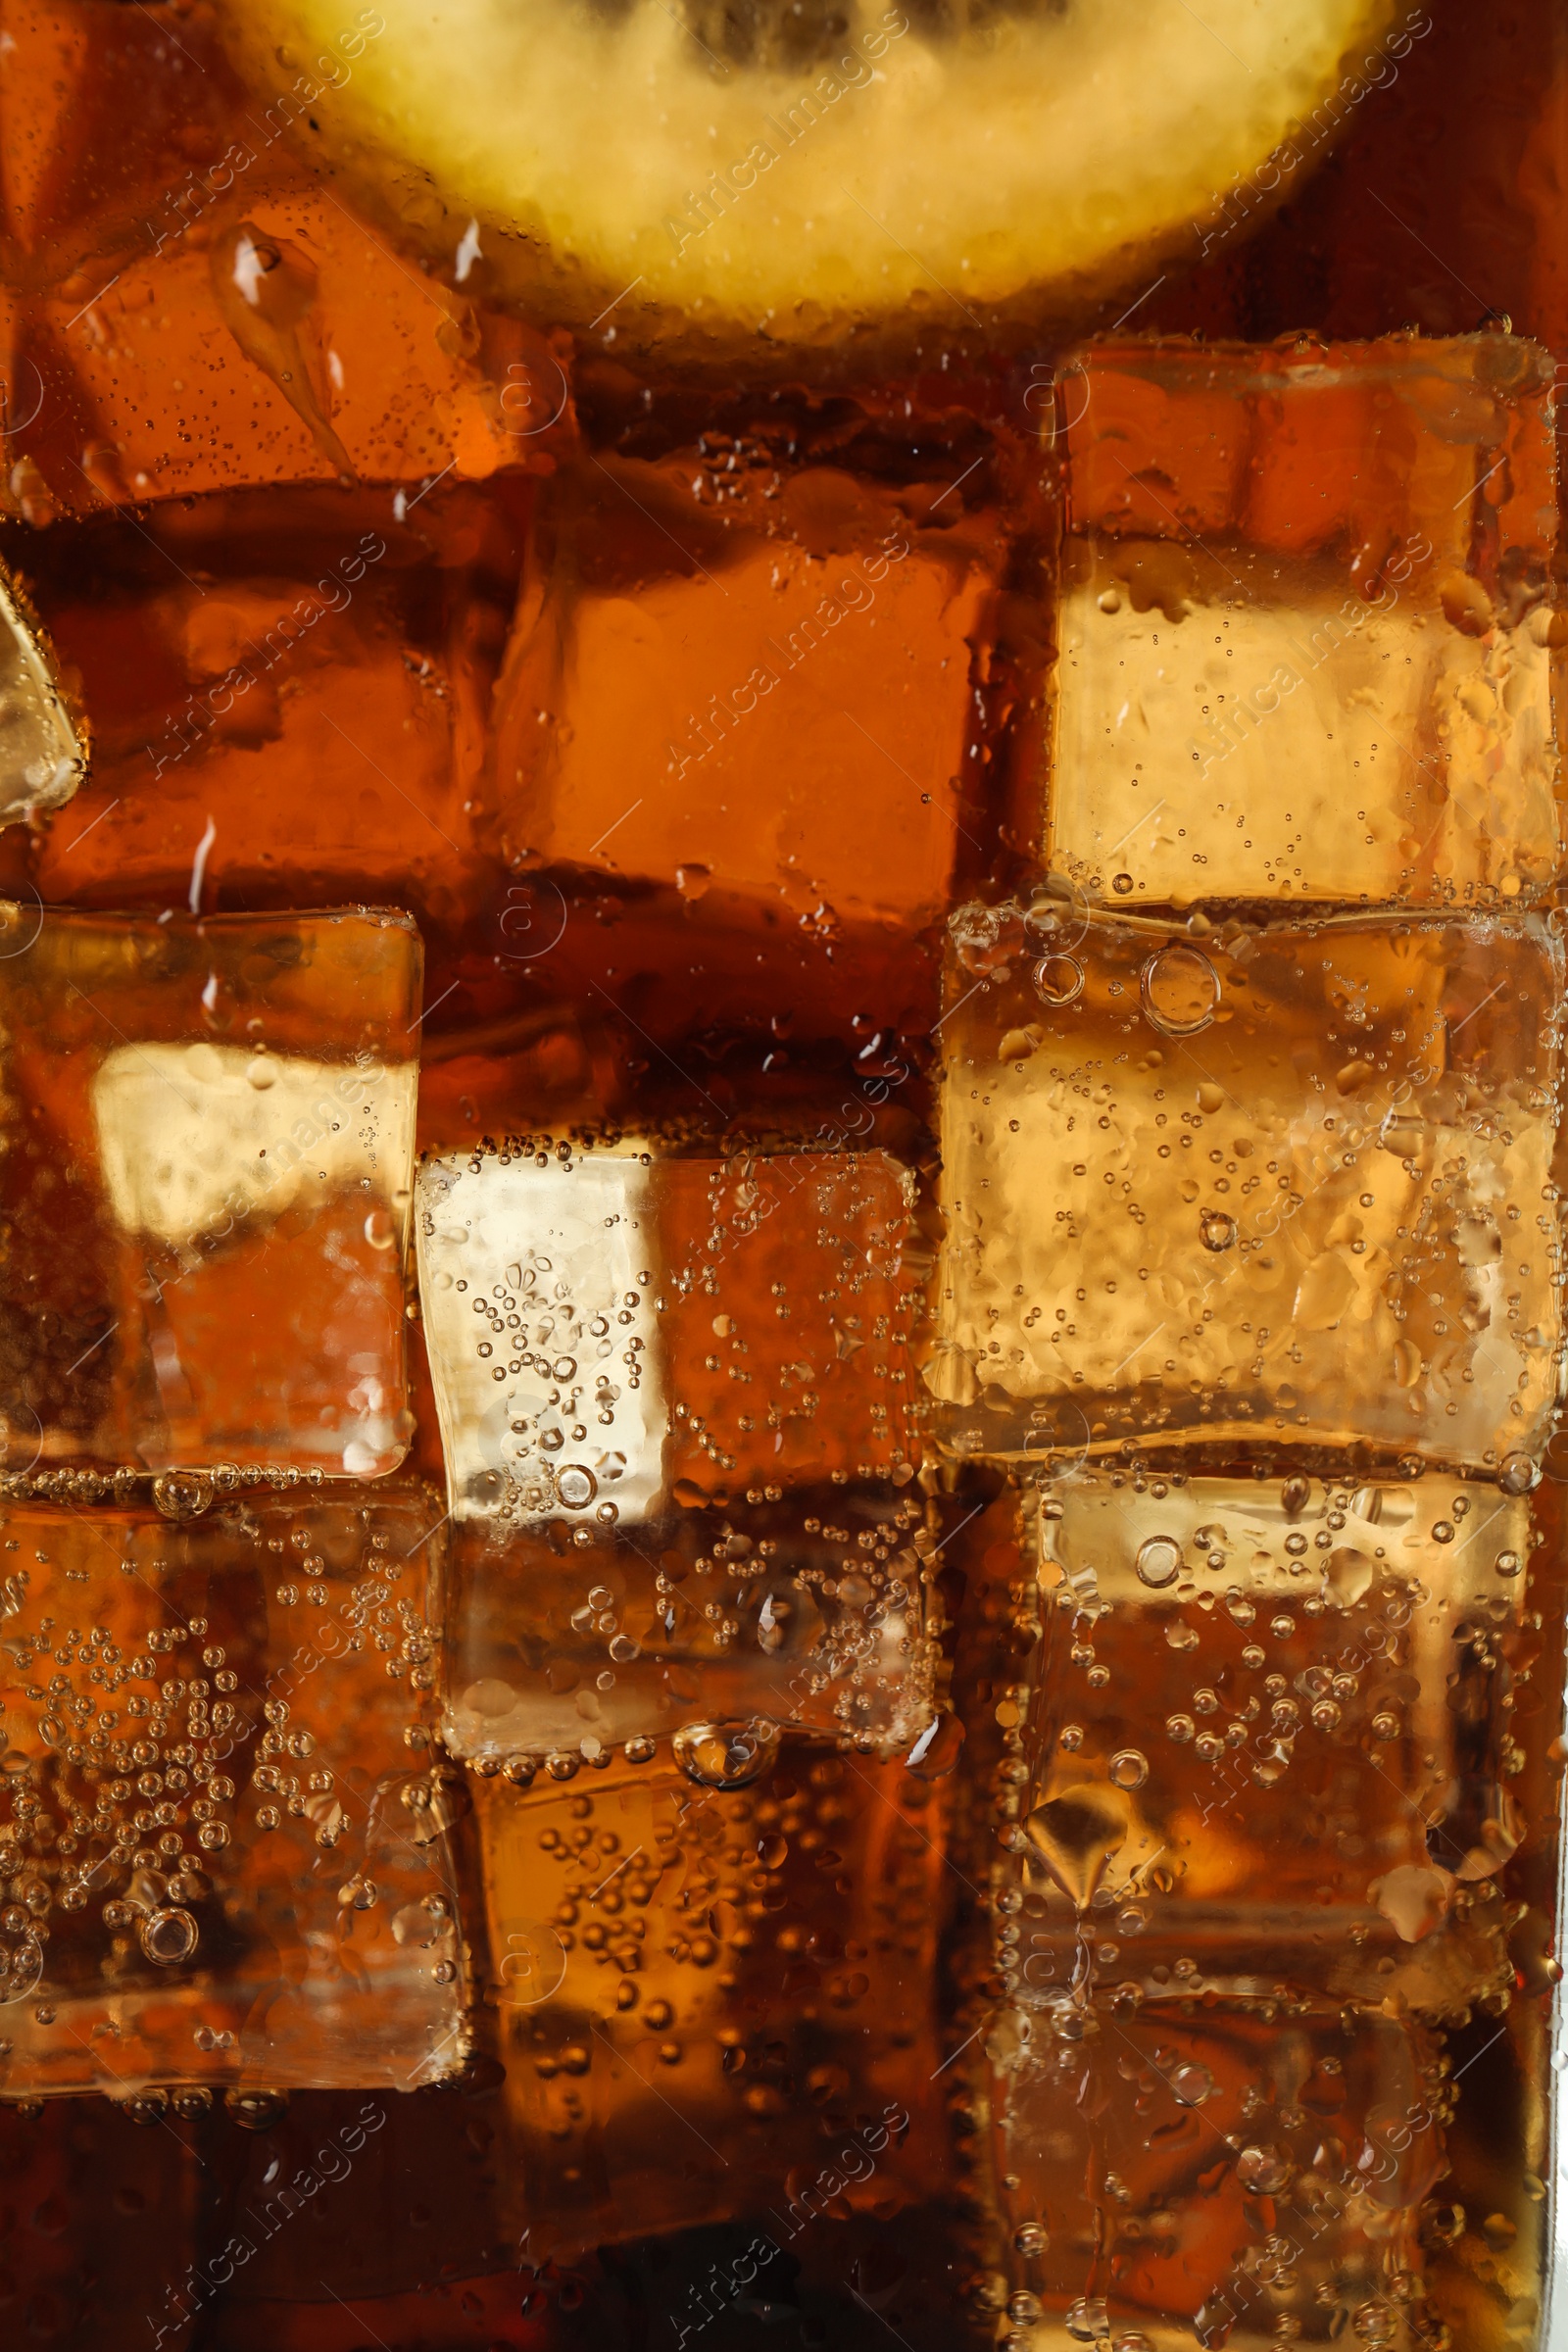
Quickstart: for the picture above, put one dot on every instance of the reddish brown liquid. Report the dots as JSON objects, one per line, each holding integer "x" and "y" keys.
{"x": 350, "y": 693}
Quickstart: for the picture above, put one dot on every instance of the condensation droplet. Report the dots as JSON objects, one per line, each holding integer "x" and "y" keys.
{"x": 576, "y": 1486}
{"x": 1263, "y": 2170}
{"x": 182, "y": 1494}
{"x": 1158, "y": 1562}
{"x": 1128, "y": 1768}
{"x": 1180, "y": 990}
{"x": 1058, "y": 980}
{"x": 729, "y": 1755}
{"x": 167, "y": 1936}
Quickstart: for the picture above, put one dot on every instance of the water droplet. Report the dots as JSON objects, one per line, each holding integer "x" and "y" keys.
{"x": 1191, "y": 2085}
{"x": 1263, "y": 2170}
{"x": 1087, "y": 2320}
{"x": 1442, "y": 1532}
{"x": 1180, "y": 990}
{"x": 379, "y": 1230}
{"x": 1076, "y": 1833}
{"x": 1415, "y": 1899}
{"x": 266, "y": 295}
{"x": 182, "y": 1494}
{"x": 1031, "y": 2238}
{"x": 576, "y": 1486}
{"x": 729, "y": 1755}
{"x": 1121, "y": 884}
{"x": 417, "y": 1927}
{"x": 1517, "y": 1474}
{"x": 1216, "y": 1229}
{"x": 1295, "y": 1496}
{"x": 1158, "y": 1562}
{"x": 1058, "y": 979}
{"x": 1508, "y": 1563}
{"x": 262, "y": 1074}
{"x": 1128, "y": 1768}
{"x": 167, "y": 1936}
{"x": 256, "y": 2109}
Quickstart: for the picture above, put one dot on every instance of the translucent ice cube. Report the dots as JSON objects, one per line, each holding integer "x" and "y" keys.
{"x": 1270, "y": 1734}
{"x": 766, "y": 1612}
{"x": 750, "y": 608}
{"x": 223, "y": 1863}
{"x": 207, "y": 1176}
{"x": 1306, "y": 624}
{"x": 674, "y": 1399}
{"x": 616, "y": 1331}
{"x": 43, "y": 760}
{"x": 712, "y": 2000}
{"x": 1245, "y": 2167}
{"x": 1294, "y": 1180}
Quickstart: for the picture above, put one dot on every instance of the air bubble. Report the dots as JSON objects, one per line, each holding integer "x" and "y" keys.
{"x": 726, "y": 1755}
{"x": 1180, "y": 991}
{"x": 1158, "y": 1562}
{"x": 1058, "y": 980}
{"x": 167, "y": 1936}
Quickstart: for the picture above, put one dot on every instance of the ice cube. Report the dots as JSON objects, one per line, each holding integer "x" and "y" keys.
{"x": 619, "y": 1330}
{"x": 712, "y": 2000}
{"x": 751, "y": 608}
{"x": 1306, "y": 613}
{"x": 43, "y": 760}
{"x": 297, "y": 721}
{"x": 199, "y": 314}
{"x": 1285, "y": 1181}
{"x": 1251, "y": 2167}
{"x": 1279, "y": 1707}
{"x": 753, "y": 1613}
{"x": 209, "y": 1169}
{"x": 224, "y": 1863}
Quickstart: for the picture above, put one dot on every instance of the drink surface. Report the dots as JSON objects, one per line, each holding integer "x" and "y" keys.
{"x": 780, "y": 1296}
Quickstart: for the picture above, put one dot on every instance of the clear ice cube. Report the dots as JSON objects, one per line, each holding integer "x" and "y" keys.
{"x": 1306, "y": 626}
{"x": 204, "y": 1204}
{"x": 714, "y": 2000}
{"x": 675, "y": 1404}
{"x": 1294, "y": 1181}
{"x": 1271, "y": 1733}
{"x": 617, "y": 1329}
{"x": 225, "y": 1851}
{"x": 42, "y": 758}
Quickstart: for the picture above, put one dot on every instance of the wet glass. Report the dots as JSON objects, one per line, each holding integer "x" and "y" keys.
{"x": 781, "y": 1308}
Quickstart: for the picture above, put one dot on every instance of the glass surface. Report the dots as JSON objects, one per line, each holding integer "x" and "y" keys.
{"x": 781, "y": 1294}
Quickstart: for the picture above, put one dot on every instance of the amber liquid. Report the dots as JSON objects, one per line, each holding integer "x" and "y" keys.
{"x": 680, "y": 725}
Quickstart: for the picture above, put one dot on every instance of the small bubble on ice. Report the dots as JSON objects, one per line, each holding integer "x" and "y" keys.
{"x": 1158, "y": 1562}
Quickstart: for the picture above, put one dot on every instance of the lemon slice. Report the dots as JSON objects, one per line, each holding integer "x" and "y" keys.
{"x": 729, "y": 170}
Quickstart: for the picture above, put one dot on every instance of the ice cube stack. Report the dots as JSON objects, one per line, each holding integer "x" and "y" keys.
{"x": 1251, "y": 1163}
{"x": 1216, "y": 1346}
